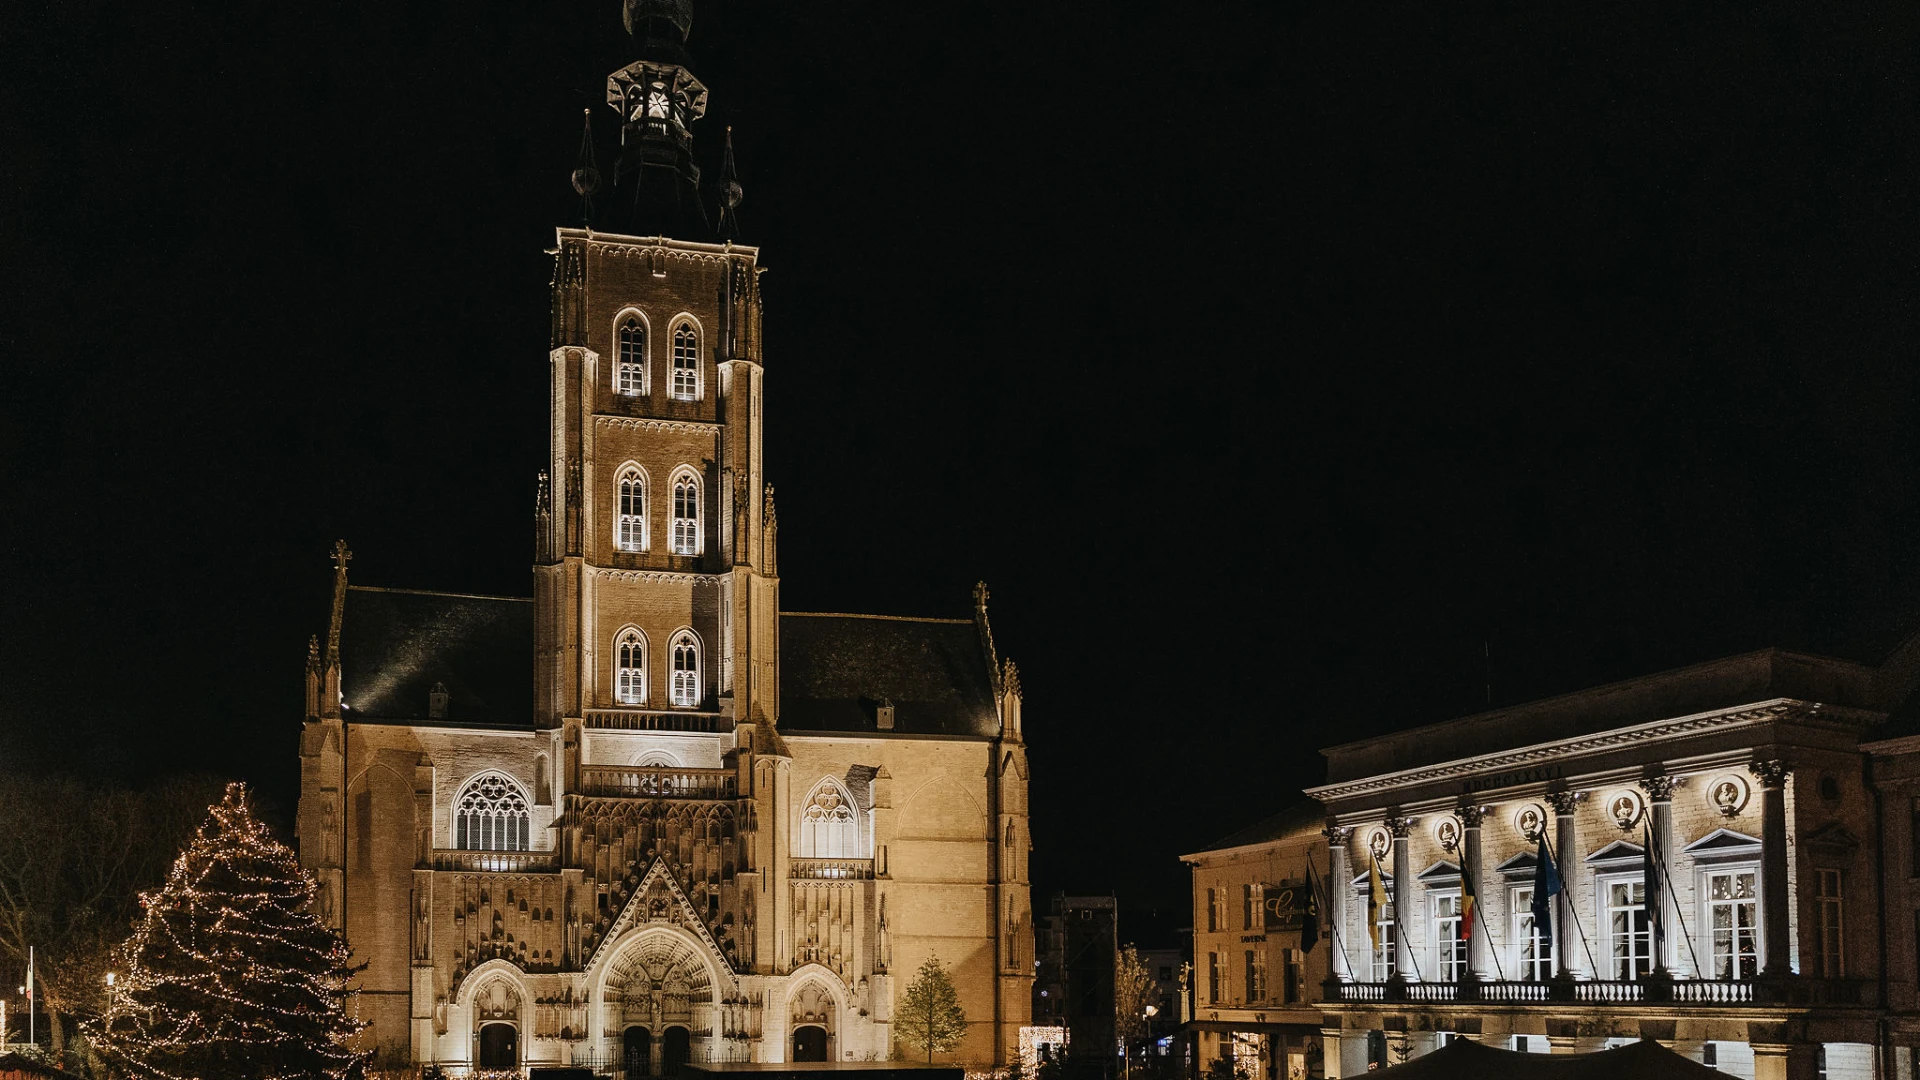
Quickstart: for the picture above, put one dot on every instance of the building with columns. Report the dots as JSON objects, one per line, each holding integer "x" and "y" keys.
{"x": 1768, "y": 932}
{"x": 644, "y": 816}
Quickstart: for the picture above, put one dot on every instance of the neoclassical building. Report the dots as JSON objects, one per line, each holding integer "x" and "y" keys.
{"x": 645, "y": 816}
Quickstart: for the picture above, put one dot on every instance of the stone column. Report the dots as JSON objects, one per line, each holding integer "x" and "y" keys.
{"x": 1479, "y": 948}
{"x": 1400, "y": 827}
{"x": 1774, "y": 943}
{"x": 1330, "y": 1051}
{"x": 1659, "y": 791}
{"x": 1339, "y": 876}
{"x": 1785, "y": 1061}
{"x": 1566, "y": 858}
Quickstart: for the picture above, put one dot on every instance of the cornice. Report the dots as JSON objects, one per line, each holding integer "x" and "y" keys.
{"x": 651, "y": 423}
{"x": 1657, "y": 731}
{"x": 653, "y": 577}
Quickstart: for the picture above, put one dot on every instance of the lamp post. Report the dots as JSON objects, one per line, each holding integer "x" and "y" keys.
{"x": 1147, "y": 1050}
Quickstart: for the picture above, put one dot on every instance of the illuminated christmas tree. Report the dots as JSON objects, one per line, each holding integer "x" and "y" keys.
{"x": 229, "y": 973}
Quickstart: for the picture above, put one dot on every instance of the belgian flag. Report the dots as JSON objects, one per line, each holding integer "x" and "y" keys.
{"x": 1469, "y": 903}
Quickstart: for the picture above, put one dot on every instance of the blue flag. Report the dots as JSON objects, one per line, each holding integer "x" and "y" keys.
{"x": 1546, "y": 885}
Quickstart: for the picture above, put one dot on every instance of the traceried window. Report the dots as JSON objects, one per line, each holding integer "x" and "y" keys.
{"x": 1733, "y": 922}
{"x": 1449, "y": 947}
{"x": 829, "y": 825}
{"x": 630, "y": 370}
{"x": 491, "y": 815}
{"x": 686, "y": 362}
{"x": 1629, "y": 934}
{"x": 686, "y": 515}
{"x": 686, "y": 669}
{"x": 1533, "y": 946}
{"x": 1829, "y": 954}
{"x": 630, "y": 669}
{"x": 630, "y": 521}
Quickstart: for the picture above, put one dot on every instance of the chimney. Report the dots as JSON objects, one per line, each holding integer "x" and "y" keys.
{"x": 437, "y": 702}
{"x": 883, "y": 715}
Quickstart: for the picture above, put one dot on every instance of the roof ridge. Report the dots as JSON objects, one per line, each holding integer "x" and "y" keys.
{"x": 436, "y": 592}
{"x": 888, "y": 618}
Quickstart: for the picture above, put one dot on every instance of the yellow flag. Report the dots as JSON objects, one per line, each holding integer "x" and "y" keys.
{"x": 1376, "y": 898}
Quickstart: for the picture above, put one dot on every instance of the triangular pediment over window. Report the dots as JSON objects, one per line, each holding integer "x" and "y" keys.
{"x": 1620, "y": 851}
{"x": 1440, "y": 871}
{"x": 1524, "y": 863}
{"x": 1385, "y": 878}
{"x": 1725, "y": 844}
{"x": 1832, "y": 838}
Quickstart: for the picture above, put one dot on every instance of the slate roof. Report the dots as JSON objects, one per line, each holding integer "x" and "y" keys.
{"x": 836, "y": 669}
{"x": 395, "y": 644}
{"x": 1300, "y": 817}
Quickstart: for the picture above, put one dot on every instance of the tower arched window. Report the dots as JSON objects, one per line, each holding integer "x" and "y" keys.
{"x": 630, "y": 669}
{"x": 686, "y": 514}
{"x": 630, "y": 370}
{"x": 490, "y": 814}
{"x": 686, "y": 362}
{"x": 830, "y": 824}
{"x": 686, "y": 669}
{"x": 630, "y": 517}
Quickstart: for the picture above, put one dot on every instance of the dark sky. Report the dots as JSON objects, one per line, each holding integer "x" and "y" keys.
{"x": 1265, "y": 358}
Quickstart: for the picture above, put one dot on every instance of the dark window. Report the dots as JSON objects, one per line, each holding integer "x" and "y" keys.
{"x": 1213, "y": 917}
{"x": 1709, "y": 1055}
{"x": 1246, "y": 907}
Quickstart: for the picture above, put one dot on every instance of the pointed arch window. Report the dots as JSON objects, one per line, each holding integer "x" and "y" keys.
{"x": 830, "y": 825}
{"x": 686, "y": 362}
{"x": 490, "y": 814}
{"x": 630, "y": 370}
{"x": 686, "y": 669}
{"x": 686, "y": 514}
{"x": 630, "y": 669}
{"x": 630, "y": 517}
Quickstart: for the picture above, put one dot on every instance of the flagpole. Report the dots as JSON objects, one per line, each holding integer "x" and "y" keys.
{"x": 1573, "y": 914}
{"x": 1326, "y": 898}
{"x": 1666, "y": 874}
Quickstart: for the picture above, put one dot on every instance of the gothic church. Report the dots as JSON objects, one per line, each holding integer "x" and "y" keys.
{"x": 646, "y": 817}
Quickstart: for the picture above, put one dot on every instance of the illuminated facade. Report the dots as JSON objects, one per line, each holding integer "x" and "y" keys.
{"x": 645, "y": 816}
{"x": 1756, "y": 935}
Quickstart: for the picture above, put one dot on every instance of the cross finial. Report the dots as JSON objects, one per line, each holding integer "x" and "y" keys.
{"x": 342, "y": 555}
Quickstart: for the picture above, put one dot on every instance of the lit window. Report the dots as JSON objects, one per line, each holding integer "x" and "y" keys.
{"x": 630, "y": 374}
{"x": 1256, "y": 975}
{"x": 1450, "y": 948}
{"x": 686, "y": 669}
{"x": 1829, "y": 952}
{"x": 1532, "y": 944}
{"x": 686, "y": 362}
{"x": 1383, "y": 955}
{"x": 1248, "y": 905}
{"x": 630, "y": 521}
{"x": 828, "y": 827}
{"x": 1629, "y": 934}
{"x": 686, "y": 515}
{"x": 1732, "y": 917}
{"x": 630, "y": 669}
{"x": 491, "y": 815}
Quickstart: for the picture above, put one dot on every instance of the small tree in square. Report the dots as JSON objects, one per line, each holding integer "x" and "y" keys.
{"x": 1133, "y": 994}
{"x": 229, "y": 974}
{"x": 929, "y": 1016}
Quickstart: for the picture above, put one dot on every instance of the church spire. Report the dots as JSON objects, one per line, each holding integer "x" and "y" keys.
{"x": 655, "y": 180}
{"x": 730, "y": 193}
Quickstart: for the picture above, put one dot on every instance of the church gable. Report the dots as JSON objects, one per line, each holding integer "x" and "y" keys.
{"x": 659, "y": 900}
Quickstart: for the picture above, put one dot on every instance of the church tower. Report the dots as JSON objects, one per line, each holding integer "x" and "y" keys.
{"x": 701, "y": 828}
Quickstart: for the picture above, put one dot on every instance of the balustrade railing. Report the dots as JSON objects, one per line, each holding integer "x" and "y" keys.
{"x": 501, "y": 862}
{"x": 656, "y": 720}
{"x": 1789, "y": 991}
{"x": 635, "y": 782}
{"x": 831, "y": 869}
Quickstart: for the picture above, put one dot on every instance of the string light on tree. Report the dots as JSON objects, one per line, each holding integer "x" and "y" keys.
{"x": 229, "y": 972}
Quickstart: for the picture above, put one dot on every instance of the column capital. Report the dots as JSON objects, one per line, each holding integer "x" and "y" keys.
{"x": 1337, "y": 835}
{"x": 1400, "y": 826}
{"x": 1563, "y": 802}
{"x": 1659, "y": 788}
{"x": 1472, "y": 815}
{"x": 1771, "y": 773}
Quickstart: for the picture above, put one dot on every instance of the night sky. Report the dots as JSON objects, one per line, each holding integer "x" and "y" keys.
{"x": 1266, "y": 359}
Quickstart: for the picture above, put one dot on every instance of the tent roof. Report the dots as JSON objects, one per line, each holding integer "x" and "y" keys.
{"x": 1470, "y": 1060}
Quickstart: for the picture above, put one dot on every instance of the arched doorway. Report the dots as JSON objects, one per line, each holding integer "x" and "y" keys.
{"x": 499, "y": 1046}
{"x": 636, "y": 1052}
{"x": 810, "y": 1043}
{"x": 675, "y": 1049}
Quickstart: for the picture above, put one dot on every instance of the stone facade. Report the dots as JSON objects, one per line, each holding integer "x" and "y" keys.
{"x": 644, "y": 816}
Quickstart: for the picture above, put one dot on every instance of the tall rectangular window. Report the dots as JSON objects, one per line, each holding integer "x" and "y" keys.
{"x": 1733, "y": 923}
{"x": 1256, "y": 975}
{"x": 1213, "y": 977}
{"x": 1295, "y": 990}
{"x": 1213, "y": 918}
{"x": 1449, "y": 948}
{"x": 1383, "y": 954}
{"x": 1532, "y": 945}
{"x": 1247, "y": 906}
{"x": 1829, "y": 946}
{"x": 1629, "y": 935}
